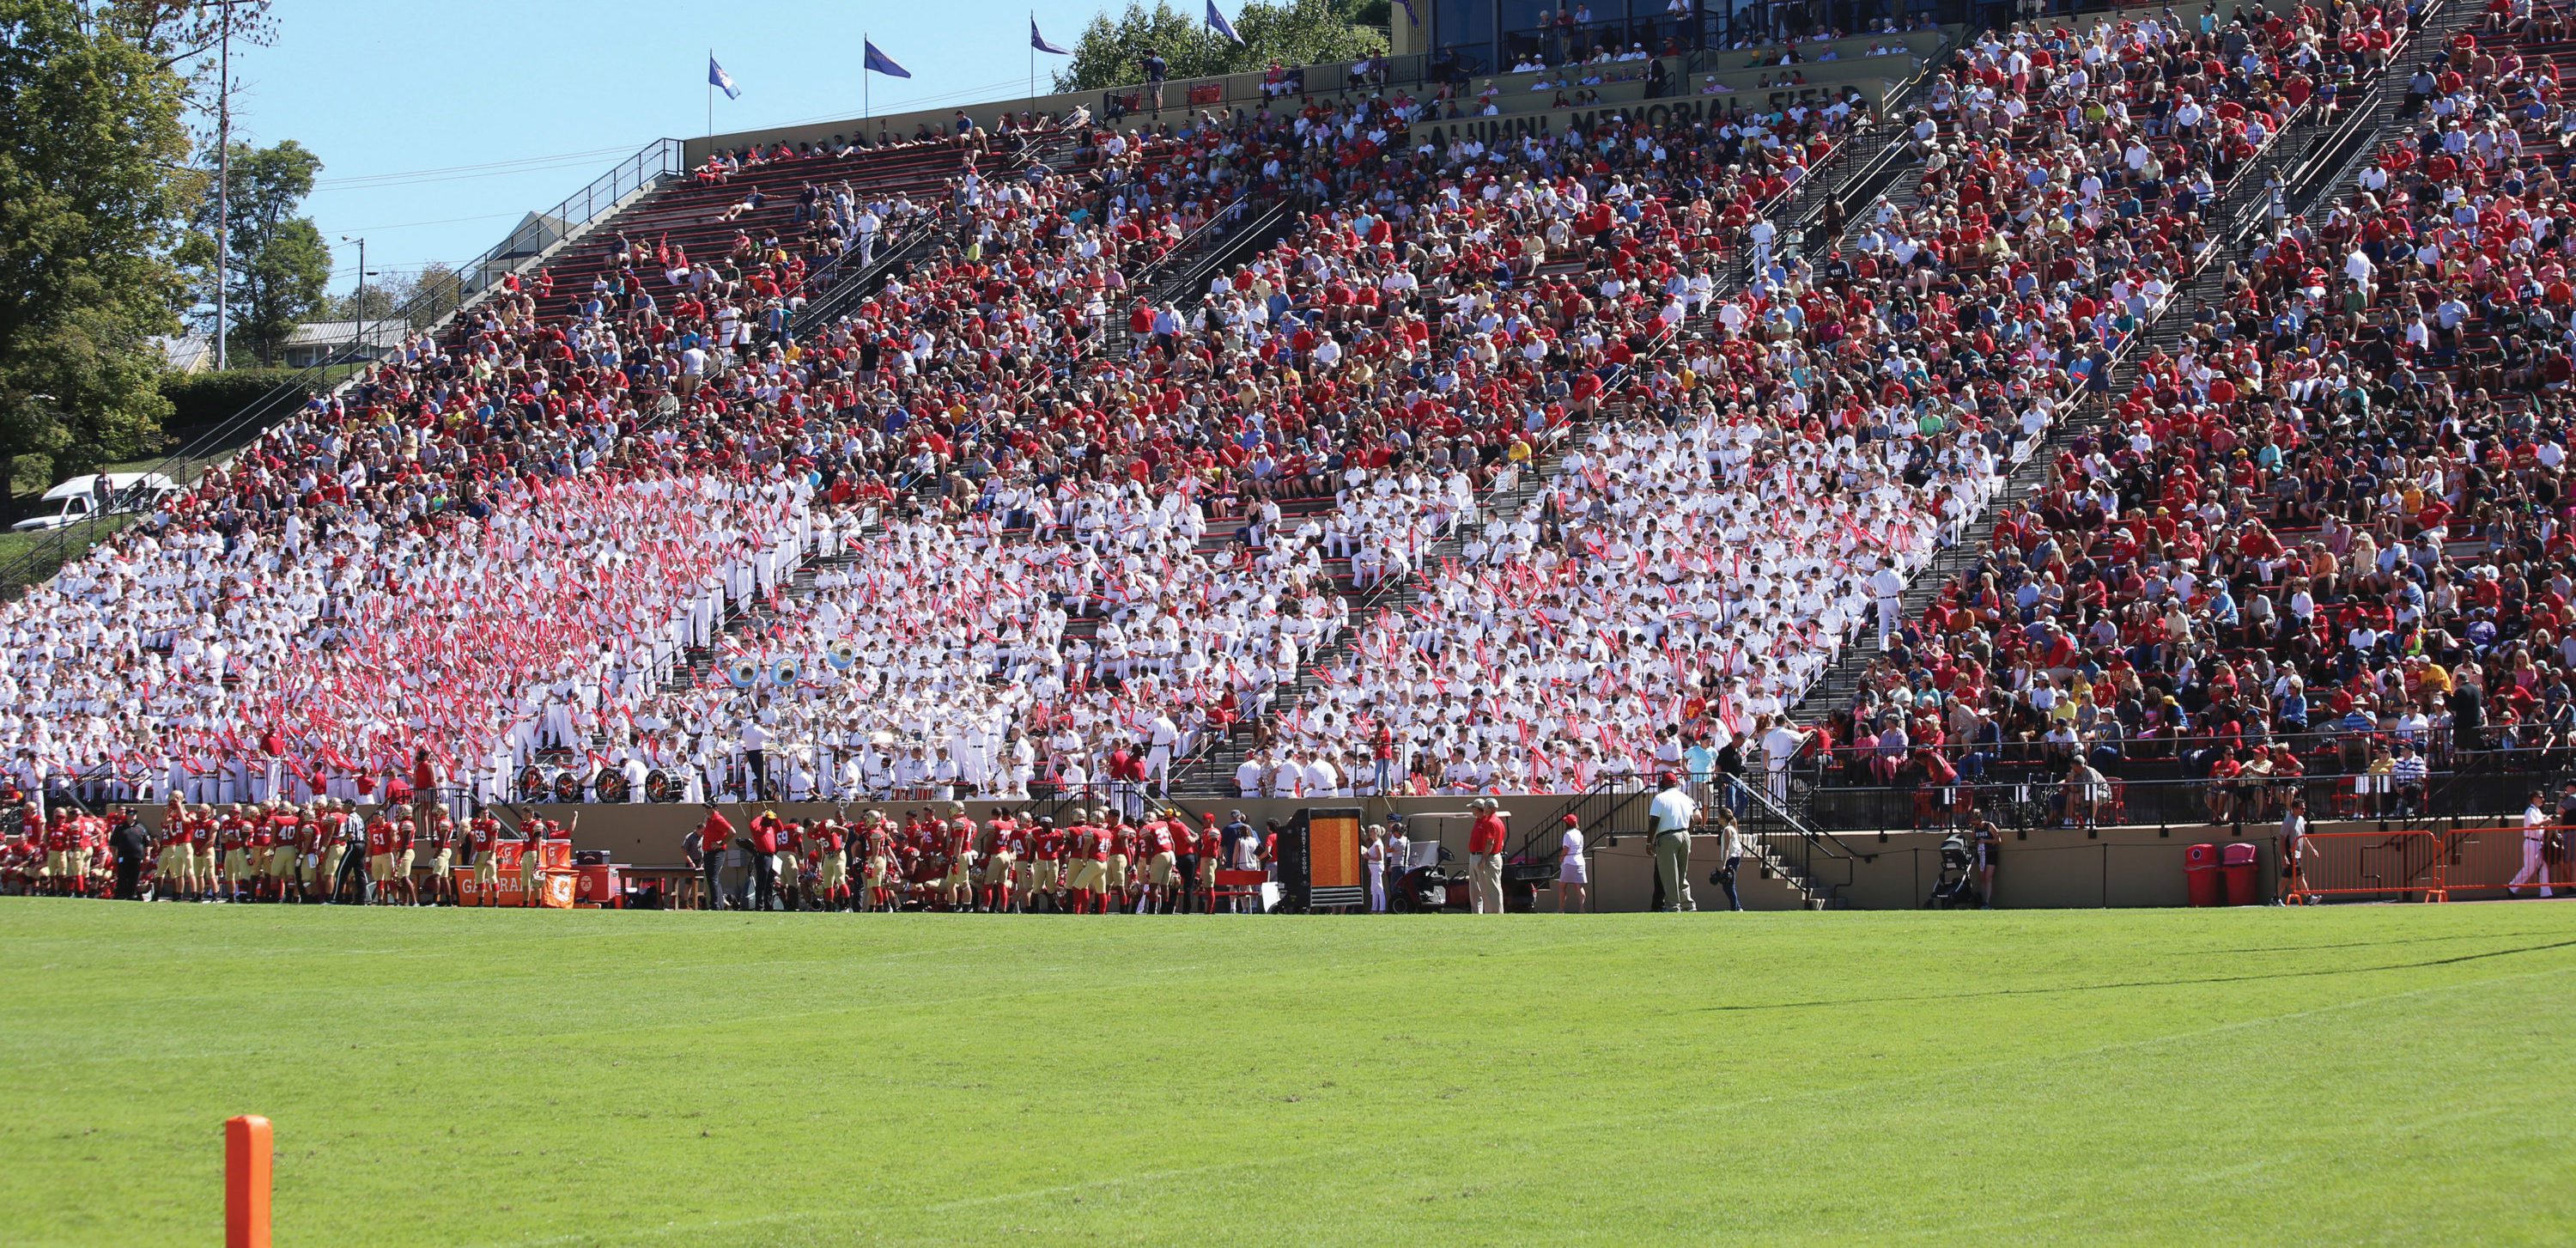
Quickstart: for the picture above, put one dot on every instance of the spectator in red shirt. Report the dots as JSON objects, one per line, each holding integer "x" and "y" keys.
{"x": 1485, "y": 857}
{"x": 715, "y": 836}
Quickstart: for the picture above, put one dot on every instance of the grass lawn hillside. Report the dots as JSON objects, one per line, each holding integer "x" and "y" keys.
{"x": 2370, "y": 1074}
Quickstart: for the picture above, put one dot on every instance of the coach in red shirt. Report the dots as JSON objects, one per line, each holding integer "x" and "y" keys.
{"x": 715, "y": 836}
{"x": 1485, "y": 857}
{"x": 765, "y": 828}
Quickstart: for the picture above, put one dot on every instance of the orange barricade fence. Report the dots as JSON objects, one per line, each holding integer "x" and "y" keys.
{"x": 2420, "y": 864}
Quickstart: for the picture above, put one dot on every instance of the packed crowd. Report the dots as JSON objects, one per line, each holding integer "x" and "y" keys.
{"x": 1010, "y": 522}
{"x": 295, "y": 662}
{"x": 1700, "y": 562}
{"x": 613, "y": 464}
{"x": 1120, "y": 575}
{"x": 2326, "y": 536}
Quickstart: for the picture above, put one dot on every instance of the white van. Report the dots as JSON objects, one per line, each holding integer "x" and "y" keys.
{"x": 78, "y": 499}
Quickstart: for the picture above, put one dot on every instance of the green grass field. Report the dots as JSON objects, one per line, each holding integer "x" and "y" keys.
{"x": 2342, "y": 1075}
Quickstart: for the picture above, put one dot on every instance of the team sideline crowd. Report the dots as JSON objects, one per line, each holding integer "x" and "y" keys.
{"x": 321, "y": 851}
{"x": 1099, "y": 860}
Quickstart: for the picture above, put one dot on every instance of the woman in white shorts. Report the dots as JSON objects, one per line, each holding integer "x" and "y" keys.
{"x": 1573, "y": 874}
{"x": 1373, "y": 860}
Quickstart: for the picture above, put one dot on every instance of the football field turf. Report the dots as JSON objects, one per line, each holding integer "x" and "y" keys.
{"x": 2354, "y": 1074}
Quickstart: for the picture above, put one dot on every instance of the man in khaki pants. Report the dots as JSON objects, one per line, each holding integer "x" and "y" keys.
{"x": 1485, "y": 857}
{"x": 1672, "y": 814}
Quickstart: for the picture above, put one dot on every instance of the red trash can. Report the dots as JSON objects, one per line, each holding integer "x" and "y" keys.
{"x": 2242, "y": 866}
{"x": 597, "y": 887}
{"x": 2200, "y": 875}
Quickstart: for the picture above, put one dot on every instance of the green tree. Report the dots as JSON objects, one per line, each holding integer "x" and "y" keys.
{"x": 1377, "y": 13}
{"x": 280, "y": 269}
{"x": 431, "y": 293}
{"x": 417, "y": 298}
{"x": 375, "y": 301}
{"x": 1110, "y": 53}
{"x": 184, "y": 37}
{"x": 93, "y": 191}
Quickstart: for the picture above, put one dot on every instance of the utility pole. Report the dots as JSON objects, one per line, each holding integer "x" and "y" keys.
{"x": 223, "y": 172}
{"x": 223, "y": 181}
{"x": 361, "y": 301}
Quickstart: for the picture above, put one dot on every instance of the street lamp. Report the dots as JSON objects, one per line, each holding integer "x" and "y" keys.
{"x": 363, "y": 274}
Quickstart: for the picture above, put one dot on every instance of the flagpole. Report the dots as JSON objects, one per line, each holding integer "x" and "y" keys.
{"x": 711, "y": 94}
{"x": 867, "y": 110}
{"x": 1033, "y": 60}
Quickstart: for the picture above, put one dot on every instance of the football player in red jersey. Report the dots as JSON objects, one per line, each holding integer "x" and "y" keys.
{"x": 380, "y": 860}
{"x": 176, "y": 878}
{"x": 806, "y": 861}
{"x": 1078, "y": 837}
{"x": 1095, "y": 863}
{"x": 304, "y": 865}
{"x": 832, "y": 864}
{"x": 406, "y": 886}
{"x": 233, "y": 836}
{"x": 482, "y": 835}
{"x": 532, "y": 862}
{"x": 1004, "y": 846}
{"x": 74, "y": 836}
{"x": 1121, "y": 836}
{"x": 442, "y": 838}
{"x": 1161, "y": 847}
{"x": 100, "y": 861}
{"x": 1046, "y": 868}
{"x": 923, "y": 867}
{"x": 789, "y": 863}
{"x": 283, "y": 822}
{"x": 877, "y": 859}
{"x": 17, "y": 875}
{"x": 260, "y": 840}
{"x": 957, "y": 846}
{"x": 1212, "y": 852}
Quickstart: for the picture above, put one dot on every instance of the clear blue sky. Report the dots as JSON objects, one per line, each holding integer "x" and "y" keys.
{"x": 439, "y": 124}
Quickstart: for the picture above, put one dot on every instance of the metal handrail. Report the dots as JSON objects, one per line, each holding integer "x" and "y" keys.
{"x": 1534, "y": 845}
{"x": 1860, "y": 149}
{"x": 823, "y": 303}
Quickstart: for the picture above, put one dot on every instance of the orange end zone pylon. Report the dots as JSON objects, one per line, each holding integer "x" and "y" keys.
{"x": 249, "y": 1153}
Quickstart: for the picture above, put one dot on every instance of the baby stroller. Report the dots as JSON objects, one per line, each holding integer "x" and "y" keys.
{"x": 1957, "y": 885}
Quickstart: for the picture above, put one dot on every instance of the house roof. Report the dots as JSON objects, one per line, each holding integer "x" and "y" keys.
{"x": 186, "y": 353}
{"x": 388, "y": 332}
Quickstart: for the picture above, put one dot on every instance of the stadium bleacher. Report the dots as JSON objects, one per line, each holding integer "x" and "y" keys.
{"x": 2312, "y": 555}
{"x": 1287, "y": 453}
